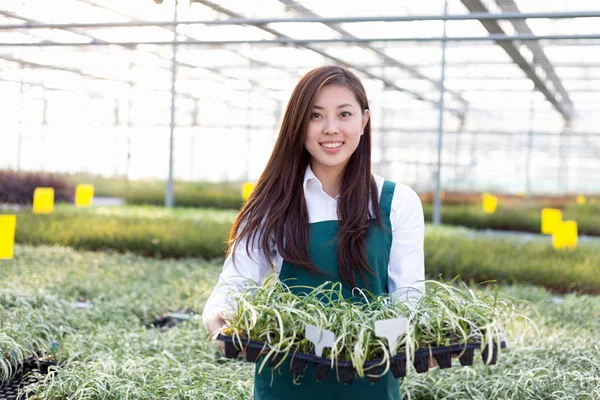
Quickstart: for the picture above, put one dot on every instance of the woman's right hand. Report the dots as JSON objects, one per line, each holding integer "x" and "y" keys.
{"x": 215, "y": 325}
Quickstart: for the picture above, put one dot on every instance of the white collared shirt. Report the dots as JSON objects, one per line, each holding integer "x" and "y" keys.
{"x": 406, "y": 268}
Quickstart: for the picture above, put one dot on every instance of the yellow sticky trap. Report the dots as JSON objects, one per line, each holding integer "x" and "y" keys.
{"x": 7, "y": 236}
{"x": 84, "y": 195}
{"x": 565, "y": 235}
{"x": 580, "y": 199}
{"x": 551, "y": 219}
{"x": 247, "y": 188}
{"x": 43, "y": 200}
{"x": 490, "y": 203}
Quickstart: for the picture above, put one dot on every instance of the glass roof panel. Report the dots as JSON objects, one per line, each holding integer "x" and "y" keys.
{"x": 54, "y": 11}
{"x": 133, "y": 34}
{"x": 233, "y": 78}
{"x": 305, "y": 30}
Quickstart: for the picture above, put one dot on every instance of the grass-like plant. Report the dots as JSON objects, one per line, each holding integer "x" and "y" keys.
{"x": 276, "y": 315}
{"x": 111, "y": 355}
{"x": 522, "y": 218}
{"x": 156, "y": 232}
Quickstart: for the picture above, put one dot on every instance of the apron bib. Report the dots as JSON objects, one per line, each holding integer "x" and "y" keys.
{"x": 273, "y": 384}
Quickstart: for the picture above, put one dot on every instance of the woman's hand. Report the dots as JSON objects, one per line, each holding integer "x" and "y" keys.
{"x": 215, "y": 325}
{"x": 433, "y": 362}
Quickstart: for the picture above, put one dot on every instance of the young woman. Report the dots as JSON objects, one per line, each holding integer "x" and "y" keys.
{"x": 318, "y": 214}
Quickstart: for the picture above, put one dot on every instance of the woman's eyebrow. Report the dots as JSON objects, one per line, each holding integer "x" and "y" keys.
{"x": 316, "y": 107}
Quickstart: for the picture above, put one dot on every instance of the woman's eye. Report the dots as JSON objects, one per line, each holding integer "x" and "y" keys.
{"x": 345, "y": 114}
{"x": 314, "y": 115}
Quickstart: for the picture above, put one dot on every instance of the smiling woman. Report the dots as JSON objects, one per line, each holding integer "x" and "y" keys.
{"x": 336, "y": 126}
{"x": 318, "y": 214}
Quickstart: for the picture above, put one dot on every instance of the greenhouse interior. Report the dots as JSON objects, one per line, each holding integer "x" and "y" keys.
{"x": 136, "y": 136}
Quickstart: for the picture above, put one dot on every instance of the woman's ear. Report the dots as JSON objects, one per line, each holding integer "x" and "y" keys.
{"x": 366, "y": 115}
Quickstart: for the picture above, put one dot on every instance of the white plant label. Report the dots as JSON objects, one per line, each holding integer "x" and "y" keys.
{"x": 391, "y": 329}
{"x": 321, "y": 338}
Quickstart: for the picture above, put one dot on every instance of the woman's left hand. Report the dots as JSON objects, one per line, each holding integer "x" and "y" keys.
{"x": 433, "y": 362}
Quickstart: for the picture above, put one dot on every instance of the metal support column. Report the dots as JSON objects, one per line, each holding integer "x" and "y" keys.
{"x": 195, "y": 113}
{"x": 529, "y": 144}
{"x": 384, "y": 164}
{"x": 129, "y": 123}
{"x": 169, "y": 197}
{"x": 437, "y": 214}
{"x": 43, "y": 130}
{"x": 249, "y": 116}
{"x": 457, "y": 164}
{"x": 192, "y": 151}
{"x": 563, "y": 167}
{"x": 116, "y": 148}
{"x": 278, "y": 117}
{"x": 195, "y": 123}
{"x": 21, "y": 118}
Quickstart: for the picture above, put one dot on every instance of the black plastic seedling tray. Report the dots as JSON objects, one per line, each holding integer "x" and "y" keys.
{"x": 345, "y": 369}
{"x": 10, "y": 390}
{"x": 169, "y": 320}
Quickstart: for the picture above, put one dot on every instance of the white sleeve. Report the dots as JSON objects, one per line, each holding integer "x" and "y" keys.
{"x": 406, "y": 270}
{"x": 252, "y": 266}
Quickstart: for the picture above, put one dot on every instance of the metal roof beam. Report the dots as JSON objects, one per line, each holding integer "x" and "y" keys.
{"x": 86, "y": 75}
{"x": 304, "y": 43}
{"x": 253, "y": 61}
{"x": 524, "y": 58}
{"x": 390, "y": 61}
{"x": 391, "y": 84}
{"x": 480, "y": 16}
{"x": 537, "y": 50}
{"x": 125, "y": 45}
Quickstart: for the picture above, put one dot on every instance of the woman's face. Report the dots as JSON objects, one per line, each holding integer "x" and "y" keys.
{"x": 336, "y": 124}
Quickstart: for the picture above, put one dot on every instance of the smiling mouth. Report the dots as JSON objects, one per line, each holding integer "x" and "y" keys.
{"x": 331, "y": 145}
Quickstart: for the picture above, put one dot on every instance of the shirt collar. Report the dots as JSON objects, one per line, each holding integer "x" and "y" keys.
{"x": 310, "y": 175}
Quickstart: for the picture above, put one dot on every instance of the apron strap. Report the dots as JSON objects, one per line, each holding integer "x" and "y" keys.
{"x": 385, "y": 202}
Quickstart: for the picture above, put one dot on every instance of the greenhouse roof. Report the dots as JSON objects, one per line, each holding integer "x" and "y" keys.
{"x": 101, "y": 46}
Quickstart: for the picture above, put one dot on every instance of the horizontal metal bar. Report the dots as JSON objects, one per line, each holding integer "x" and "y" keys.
{"x": 403, "y": 130}
{"x": 323, "y": 20}
{"x": 528, "y": 91}
{"x": 492, "y": 37}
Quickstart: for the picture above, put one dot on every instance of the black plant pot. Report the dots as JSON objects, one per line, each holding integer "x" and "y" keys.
{"x": 321, "y": 371}
{"x": 398, "y": 367}
{"x": 33, "y": 363}
{"x": 274, "y": 359}
{"x": 421, "y": 363}
{"x": 297, "y": 366}
{"x": 231, "y": 351}
{"x": 252, "y": 353}
{"x": 444, "y": 360}
{"x": 485, "y": 354}
{"x": 10, "y": 390}
{"x": 466, "y": 358}
{"x": 346, "y": 374}
{"x": 373, "y": 373}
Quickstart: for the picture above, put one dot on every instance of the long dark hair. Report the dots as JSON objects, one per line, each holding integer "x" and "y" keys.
{"x": 276, "y": 216}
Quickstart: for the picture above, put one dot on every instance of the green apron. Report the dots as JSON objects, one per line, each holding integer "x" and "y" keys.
{"x": 278, "y": 384}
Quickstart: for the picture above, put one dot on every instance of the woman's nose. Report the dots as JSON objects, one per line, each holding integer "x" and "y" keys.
{"x": 330, "y": 127}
